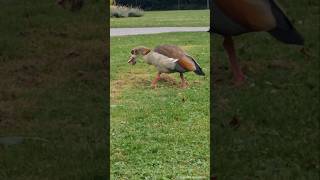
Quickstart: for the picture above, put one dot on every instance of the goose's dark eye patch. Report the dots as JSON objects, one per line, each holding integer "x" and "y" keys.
{"x": 132, "y": 51}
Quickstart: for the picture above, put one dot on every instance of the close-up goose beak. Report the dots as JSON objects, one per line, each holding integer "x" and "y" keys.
{"x": 133, "y": 59}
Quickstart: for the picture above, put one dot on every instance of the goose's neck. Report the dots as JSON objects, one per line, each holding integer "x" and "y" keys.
{"x": 150, "y": 58}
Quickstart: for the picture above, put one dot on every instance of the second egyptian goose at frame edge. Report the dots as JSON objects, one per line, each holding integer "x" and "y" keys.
{"x": 235, "y": 17}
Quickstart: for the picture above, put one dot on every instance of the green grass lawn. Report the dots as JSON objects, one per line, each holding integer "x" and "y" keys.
{"x": 159, "y": 133}
{"x": 182, "y": 18}
{"x": 53, "y": 91}
{"x": 277, "y": 135}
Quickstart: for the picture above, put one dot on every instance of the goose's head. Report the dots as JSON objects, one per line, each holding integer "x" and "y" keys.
{"x": 136, "y": 52}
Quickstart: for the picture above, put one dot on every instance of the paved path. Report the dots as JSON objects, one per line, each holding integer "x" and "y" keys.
{"x": 154, "y": 30}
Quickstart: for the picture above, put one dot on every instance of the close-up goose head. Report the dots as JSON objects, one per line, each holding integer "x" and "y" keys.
{"x": 136, "y": 52}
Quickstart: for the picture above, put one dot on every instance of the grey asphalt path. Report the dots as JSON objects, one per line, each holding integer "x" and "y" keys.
{"x": 154, "y": 30}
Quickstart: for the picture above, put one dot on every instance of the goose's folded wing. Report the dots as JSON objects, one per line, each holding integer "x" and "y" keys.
{"x": 187, "y": 63}
{"x": 170, "y": 51}
{"x": 177, "y": 53}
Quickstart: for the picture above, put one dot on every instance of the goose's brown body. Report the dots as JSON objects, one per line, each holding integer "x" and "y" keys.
{"x": 254, "y": 15}
{"x": 185, "y": 62}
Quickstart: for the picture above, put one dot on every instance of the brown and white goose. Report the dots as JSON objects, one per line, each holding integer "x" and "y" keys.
{"x": 167, "y": 59}
{"x": 235, "y": 17}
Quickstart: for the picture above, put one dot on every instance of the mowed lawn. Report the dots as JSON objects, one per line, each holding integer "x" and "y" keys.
{"x": 52, "y": 91}
{"x": 269, "y": 129}
{"x": 181, "y": 18}
{"x": 159, "y": 133}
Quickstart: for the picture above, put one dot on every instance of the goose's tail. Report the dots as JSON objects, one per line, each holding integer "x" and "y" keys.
{"x": 284, "y": 31}
{"x": 198, "y": 70}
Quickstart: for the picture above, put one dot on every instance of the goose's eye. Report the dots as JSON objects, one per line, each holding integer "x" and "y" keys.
{"x": 132, "y": 51}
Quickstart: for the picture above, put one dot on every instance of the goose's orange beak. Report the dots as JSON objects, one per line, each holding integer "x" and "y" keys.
{"x": 132, "y": 59}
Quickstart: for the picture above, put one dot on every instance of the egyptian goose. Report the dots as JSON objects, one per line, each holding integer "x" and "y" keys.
{"x": 167, "y": 59}
{"x": 235, "y": 17}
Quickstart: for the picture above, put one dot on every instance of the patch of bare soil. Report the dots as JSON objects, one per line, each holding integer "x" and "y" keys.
{"x": 126, "y": 81}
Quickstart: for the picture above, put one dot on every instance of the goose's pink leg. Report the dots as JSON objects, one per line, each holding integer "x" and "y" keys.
{"x": 156, "y": 79}
{"x": 238, "y": 76}
{"x": 183, "y": 81}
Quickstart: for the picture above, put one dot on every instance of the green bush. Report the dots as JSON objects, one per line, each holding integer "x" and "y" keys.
{"x": 135, "y": 12}
{"x": 124, "y": 11}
